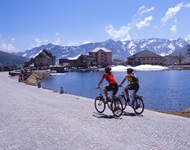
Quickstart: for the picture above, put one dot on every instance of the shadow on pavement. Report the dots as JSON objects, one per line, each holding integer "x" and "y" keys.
{"x": 101, "y": 115}
{"x": 131, "y": 114}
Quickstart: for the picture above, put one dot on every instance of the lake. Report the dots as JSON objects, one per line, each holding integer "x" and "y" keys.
{"x": 161, "y": 90}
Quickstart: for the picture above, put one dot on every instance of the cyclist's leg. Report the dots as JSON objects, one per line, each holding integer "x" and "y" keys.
{"x": 106, "y": 89}
{"x": 114, "y": 90}
{"x": 135, "y": 90}
{"x": 127, "y": 88}
{"x": 106, "y": 92}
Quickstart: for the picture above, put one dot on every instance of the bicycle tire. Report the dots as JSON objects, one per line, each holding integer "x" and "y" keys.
{"x": 99, "y": 104}
{"x": 138, "y": 105}
{"x": 123, "y": 101}
{"x": 117, "y": 107}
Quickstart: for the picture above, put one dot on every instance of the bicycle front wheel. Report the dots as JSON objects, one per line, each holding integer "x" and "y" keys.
{"x": 138, "y": 105}
{"x": 99, "y": 104}
{"x": 123, "y": 101}
{"x": 117, "y": 107}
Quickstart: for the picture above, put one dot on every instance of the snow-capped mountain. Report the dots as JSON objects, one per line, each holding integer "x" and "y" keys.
{"x": 120, "y": 49}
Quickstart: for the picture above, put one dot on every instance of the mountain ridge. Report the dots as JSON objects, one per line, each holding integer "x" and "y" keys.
{"x": 120, "y": 49}
{"x": 8, "y": 59}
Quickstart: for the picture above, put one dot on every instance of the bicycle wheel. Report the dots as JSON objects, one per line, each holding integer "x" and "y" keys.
{"x": 123, "y": 101}
{"x": 117, "y": 107}
{"x": 138, "y": 105}
{"x": 99, "y": 104}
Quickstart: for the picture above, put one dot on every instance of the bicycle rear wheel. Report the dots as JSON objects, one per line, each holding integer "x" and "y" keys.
{"x": 123, "y": 101}
{"x": 117, "y": 107}
{"x": 99, "y": 104}
{"x": 138, "y": 105}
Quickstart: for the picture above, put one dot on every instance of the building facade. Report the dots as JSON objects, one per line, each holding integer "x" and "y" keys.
{"x": 145, "y": 57}
{"x": 82, "y": 61}
{"x": 43, "y": 59}
{"x": 102, "y": 56}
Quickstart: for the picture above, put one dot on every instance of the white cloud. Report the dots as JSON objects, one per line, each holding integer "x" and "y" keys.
{"x": 57, "y": 34}
{"x": 45, "y": 40}
{"x": 143, "y": 10}
{"x": 57, "y": 41}
{"x": 13, "y": 40}
{"x": 86, "y": 42}
{"x": 171, "y": 12}
{"x": 173, "y": 29}
{"x": 122, "y": 33}
{"x": 144, "y": 23}
{"x": 7, "y": 47}
{"x": 187, "y": 5}
{"x": 72, "y": 43}
{"x": 38, "y": 41}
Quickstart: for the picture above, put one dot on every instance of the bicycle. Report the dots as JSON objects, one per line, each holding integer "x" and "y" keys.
{"x": 137, "y": 103}
{"x": 113, "y": 103}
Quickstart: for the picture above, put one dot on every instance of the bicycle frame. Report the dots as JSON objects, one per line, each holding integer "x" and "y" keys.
{"x": 109, "y": 98}
{"x": 114, "y": 105}
{"x": 130, "y": 95}
{"x": 137, "y": 103}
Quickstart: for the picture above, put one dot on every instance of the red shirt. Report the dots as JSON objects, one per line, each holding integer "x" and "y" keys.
{"x": 109, "y": 78}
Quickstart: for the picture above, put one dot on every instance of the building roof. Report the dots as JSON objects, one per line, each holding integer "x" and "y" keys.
{"x": 89, "y": 57}
{"x": 101, "y": 48}
{"x": 145, "y": 53}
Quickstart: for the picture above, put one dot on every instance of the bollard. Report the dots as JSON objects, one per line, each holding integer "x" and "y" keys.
{"x": 39, "y": 84}
{"x": 18, "y": 79}
{"x": 61, "y": 90}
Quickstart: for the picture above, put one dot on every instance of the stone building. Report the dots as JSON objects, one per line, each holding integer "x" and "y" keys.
{"x": 145, "y": 57}
{"x": 43, "y": 60}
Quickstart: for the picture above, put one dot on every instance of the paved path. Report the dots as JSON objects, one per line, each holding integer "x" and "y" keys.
{"x": 33, "y": 118}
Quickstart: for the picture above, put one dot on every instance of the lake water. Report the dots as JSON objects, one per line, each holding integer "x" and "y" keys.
{"x": 161, "y": 90}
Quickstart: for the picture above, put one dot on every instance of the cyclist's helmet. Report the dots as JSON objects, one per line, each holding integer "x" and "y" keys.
{"x": 108, "y": 69}
{"x": 130, "y": 70}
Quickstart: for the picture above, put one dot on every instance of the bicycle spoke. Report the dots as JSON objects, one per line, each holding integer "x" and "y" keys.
{"x": 117, "y": 108}
{"x": 99, "y": 104}
{"x": 138, "y": 106}
{"x": 123, "y": 101}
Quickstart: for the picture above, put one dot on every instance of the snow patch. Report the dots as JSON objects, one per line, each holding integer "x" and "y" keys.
{"x": 140, "y": 68}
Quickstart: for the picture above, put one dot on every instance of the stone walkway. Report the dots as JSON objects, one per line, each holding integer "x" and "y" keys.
{"x": 33, "y": 118}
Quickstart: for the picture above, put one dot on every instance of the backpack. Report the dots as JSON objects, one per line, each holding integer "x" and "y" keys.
{"x": 135, "y": 78}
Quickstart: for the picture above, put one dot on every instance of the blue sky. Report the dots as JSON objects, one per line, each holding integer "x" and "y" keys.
{"x": 25, "y": 24}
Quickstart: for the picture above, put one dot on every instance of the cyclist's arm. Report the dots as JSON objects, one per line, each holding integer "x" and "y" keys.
{"x": 98, "y": 86}
{"x": 123, "y": 81}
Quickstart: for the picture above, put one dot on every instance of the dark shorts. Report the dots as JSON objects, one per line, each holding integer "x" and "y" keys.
{"x": 112, "y": 87}
{"x": 134, "y": 87}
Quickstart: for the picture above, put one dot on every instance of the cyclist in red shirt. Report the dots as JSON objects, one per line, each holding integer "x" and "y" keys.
{"x": 113, "y": 86}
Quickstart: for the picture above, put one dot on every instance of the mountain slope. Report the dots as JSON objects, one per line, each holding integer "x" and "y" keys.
{"x": 120, "y": 50}
{"x": 10, "y": 59}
